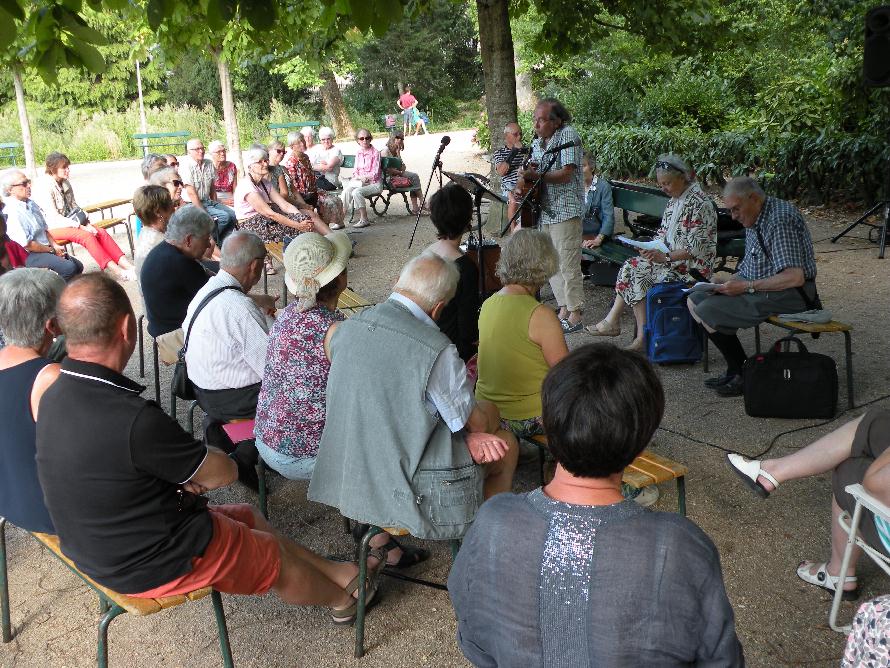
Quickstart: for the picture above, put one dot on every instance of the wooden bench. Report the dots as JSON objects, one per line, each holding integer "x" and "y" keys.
{"x": 8, "y": 153}
{"x": 279, "y": 129}
{"x": 111, "y": 603}
{"x": 153, "y": 140}
{"x": 111, "y": 221}
{"x": 815, "y": 330}
{"x": 647, "y": 469}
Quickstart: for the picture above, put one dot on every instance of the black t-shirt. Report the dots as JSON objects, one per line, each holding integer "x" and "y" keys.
{"x": 111, "y": 464}
{"x": 169, "y": 281}
{"x": 459, "y": 320}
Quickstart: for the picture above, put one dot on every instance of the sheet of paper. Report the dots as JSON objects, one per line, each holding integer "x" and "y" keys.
{"x": 657, "y": 244}
{"x": 702, "y": 287}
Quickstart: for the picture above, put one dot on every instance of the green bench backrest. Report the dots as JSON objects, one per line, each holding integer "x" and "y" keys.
{"x": 279, "y": 129}
{"x": 391, "y": 163}
{"x": 8, "y": 152}
{"x": 348, "y": 161}
{"x": 161, "y": 135}
{"x": 149, "y": 140}
{"x": 639, "y": 201}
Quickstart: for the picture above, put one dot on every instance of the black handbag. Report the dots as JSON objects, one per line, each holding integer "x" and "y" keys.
{"x": 782, "y": 383}
{"x": 181, "y": 387}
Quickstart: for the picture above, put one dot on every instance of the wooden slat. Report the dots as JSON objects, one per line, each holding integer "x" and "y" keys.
{"x": 108, "y": 204}
{"x": 811, "y": 327}
{"x": 105, "y": 223}
{"x": 276, "y": 250}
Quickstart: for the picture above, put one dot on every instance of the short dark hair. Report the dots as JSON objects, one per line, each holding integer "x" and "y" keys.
{"x": 601, "y": 406}
{"x": 558, "y": 112}
{"x": 91, "y": 307}
{"x": 150, "y": 201}
{"x": 55, "y": 161}
{"x": 451, "y": 210}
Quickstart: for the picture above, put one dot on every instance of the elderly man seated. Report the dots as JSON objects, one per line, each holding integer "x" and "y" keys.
{"x": 228, "y": 333}
{"x": 199, "y": 175}
{"x": 28, "y": 299}
{"x": 27, "y": 227}
{"x": 171, "y": 276}
{"x": 405, "y": 443}
{"x": 777, "y": 275}
{"x": 572, "y": 574}
{"x": 133, "y": 518}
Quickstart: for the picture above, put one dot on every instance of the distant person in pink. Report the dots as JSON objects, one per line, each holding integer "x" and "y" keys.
{"x": 407, "y": 103}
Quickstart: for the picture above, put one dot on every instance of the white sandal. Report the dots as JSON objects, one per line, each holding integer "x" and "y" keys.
{"x": 822, "y": 579}
{"x": 749, "y": 470}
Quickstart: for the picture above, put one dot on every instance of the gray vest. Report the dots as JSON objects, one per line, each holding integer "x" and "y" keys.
{"x": 384, "y": 459}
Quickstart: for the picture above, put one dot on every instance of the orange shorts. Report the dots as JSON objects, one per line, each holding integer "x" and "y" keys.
{"x": 238, "y": 559}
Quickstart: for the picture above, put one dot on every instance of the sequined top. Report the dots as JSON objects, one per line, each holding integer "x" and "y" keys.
{"x": 290, "y": 412}
{"x": 539, "y": 582}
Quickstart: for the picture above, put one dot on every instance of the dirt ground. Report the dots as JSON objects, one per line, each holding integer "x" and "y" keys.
{"x": 780, "y": 620}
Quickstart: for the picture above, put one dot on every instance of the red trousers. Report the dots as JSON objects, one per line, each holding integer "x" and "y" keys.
{"x": 101, "y": 246}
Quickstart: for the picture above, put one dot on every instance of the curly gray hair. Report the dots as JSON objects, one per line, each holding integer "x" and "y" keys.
{"x": 528, "y": 258}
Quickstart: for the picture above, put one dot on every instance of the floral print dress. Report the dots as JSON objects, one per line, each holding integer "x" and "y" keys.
{"x": 304, "y": 181}
{"x": 695, "y": 232}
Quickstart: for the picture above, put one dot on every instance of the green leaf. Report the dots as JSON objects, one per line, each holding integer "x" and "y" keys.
{"x": 154, "y": 11}
{"x": 219, "y": 13}
{"x": 12, "y": 8}
{"x": 7, "y": 28}
{"x": 362, "y": 14}
{"x": 88, "y": 55}
{"x": 75, "y": 25}
{"x": 73, "y": 5}
{"x": 260, "y": 14}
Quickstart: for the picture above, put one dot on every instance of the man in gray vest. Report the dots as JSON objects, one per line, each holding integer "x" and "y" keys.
{"x": 405, "y": 442}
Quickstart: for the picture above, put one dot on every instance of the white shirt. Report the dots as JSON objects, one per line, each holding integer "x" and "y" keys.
{"x": 448, "y": 391}
{"x": 321, "y": 154}
{"x": 227, "y": 347}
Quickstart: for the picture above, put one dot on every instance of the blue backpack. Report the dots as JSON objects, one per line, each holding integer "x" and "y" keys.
{"x": 672, "y": 336}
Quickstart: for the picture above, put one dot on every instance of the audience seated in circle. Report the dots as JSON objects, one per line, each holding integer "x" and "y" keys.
{"x": 305, "y": 190}
{"x": 227, "y": 345}
{"x": 572, "y": 574}
{"x": 199, "y": 176}
{"x": 172, "y": 275}
{"x": 386, "y": 462}
{"x": 519, "y": 338}
{"x": 857, "y": 452}
{"x": 27, "y": 226}
{"x": 28, "y": 299}
{"x": 154, "y": 207}
{"x": 366, "y": 179}
{"x": 451, "y": 210}
{"x": 134, "y": 518}
{"x": 688, "y": 229}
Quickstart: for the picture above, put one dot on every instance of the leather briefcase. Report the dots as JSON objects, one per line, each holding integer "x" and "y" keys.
{"x": 782, "y": 383}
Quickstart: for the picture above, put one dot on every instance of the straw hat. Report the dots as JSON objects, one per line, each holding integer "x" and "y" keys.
{"x": 311, "y": 261}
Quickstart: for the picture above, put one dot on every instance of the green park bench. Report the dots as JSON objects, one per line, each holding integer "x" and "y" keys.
{"x": 152, "y": 140}
{"x": 278, "y": 130}
{"x": 8, "y": 152}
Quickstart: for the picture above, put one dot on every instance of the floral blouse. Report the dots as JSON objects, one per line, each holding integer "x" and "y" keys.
{"x": 302, "y": 176}
{"x": 225, "y": 177}
{"x": 290, "y": 413}
{"x": 696, "y": 231}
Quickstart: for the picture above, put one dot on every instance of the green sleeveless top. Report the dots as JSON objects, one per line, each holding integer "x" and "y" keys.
{"x": 511, "y": 366}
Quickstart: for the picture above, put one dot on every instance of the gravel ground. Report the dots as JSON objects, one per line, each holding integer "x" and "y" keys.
{"x": 780, "y": 620}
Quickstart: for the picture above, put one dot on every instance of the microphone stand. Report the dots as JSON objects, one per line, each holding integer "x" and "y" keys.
{"x": 437, "y": 168}
{"x": 531, "y": 190}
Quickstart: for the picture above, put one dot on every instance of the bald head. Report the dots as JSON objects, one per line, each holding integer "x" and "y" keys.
{"x": 428, "y": 280}
{"x": 91, "y": 309}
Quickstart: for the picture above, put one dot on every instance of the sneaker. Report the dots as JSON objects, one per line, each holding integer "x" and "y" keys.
{"x": 336, "y": 226}
{"x": 718, "y": 381}
{"x": 734, "y": 387}
{"x": 361, "y": 223}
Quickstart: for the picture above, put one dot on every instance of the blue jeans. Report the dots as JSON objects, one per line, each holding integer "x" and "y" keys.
{"x": 225, "y": 219}
{"x": 292, "y": 468}
{"x": 66, "y": 267}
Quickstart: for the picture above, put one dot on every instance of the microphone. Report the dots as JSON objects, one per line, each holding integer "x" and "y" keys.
{"x": 568, "y": 144}
{"x": 445, "y": 141}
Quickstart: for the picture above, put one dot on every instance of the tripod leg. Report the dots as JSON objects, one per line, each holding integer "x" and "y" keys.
{"x": 884, "y": 230}
{"x": 860, "y": 221}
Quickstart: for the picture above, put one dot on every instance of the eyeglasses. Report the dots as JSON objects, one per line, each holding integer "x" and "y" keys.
{"x": 327, "y": 139}
{"x": 172, "y": 164}
{"x": 26, "y": 182}
{"x": 280, "y": 150}
{"x": 364, "y": 138}
{"x": 661, "y": 164}
{"x": 177, "y": 183}
{"x": 199, "y": 148}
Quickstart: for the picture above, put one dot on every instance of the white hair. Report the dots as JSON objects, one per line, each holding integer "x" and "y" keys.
{"x": 7, "y": 178}
{"x": 292, "y": 138}
{"x": 429, "y": 279}
{"x": 307, "y": 130}
{"x": 188, "y": 220}
{"x": 164, "y": 176}
{"x": 28, "y": 299}
{"x": 742, "y": 186}
{"x": 254, "y": 154}
{"x": 324, "y": 132}
{"x": 191, "y": 142}
{"x": 240, "y": 249}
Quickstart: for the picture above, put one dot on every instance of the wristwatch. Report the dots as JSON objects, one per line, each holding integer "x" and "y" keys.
{"x": 750, "y": 288}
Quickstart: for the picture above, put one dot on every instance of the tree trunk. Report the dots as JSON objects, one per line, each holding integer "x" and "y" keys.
{"x": 333, "y": 104}
{"x": 27, "y": 143}
{"x": 525, "y": 95}
{"x": 499, "y": 71}
{"x": 229, "y": 118}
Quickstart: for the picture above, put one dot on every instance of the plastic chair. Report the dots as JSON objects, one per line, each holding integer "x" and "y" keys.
{"x": 863, "y": 500}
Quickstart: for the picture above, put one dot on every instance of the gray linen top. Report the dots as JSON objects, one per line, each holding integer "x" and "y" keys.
{"x": 539, "y": 582}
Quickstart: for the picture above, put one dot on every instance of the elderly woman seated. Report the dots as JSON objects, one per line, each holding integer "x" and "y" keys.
{"x": 573, "y": 575}
{"x": 28, "y": 299}
{"x": 169, "y": 178}
{"x": 688, "y": 229}
{"x": 261, "y": 208}
{"x": 226, "y": 173}
{"x": 519, "y": 338}
{"x": 366, "y": 180}
{"x": 326, "y": 160}
{"x": 154, "y": 206}
{"x": 399, "y": 177}
{"x": 69, "y": 224}
{"x": 303, "y": 184}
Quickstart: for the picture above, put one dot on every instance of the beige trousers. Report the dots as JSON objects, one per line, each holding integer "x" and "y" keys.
{"x": 566, "y": 282}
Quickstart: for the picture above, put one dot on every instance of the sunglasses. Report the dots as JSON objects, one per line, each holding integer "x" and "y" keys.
{"x": 364, "y": 138}
{"x": 661, "y": 164}
{"x": 172, "y": 164}
{"x": 26, "y": 182}
{"x": 177, "y": 183}
{"x": 280, "y": 150}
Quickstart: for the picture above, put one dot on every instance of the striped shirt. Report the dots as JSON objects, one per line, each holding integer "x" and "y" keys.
{"x": 508, "y": 180}
{"x": 561, "y": 201}
{"x": 883, "y": 528}
{"x": 227, "y": 347}
{"x": 786, "y": 238}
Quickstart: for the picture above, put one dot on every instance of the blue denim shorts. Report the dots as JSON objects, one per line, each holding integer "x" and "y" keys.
{"x": 292, "y": 468}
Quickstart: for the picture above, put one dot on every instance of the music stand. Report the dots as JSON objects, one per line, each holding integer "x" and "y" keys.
{"x": 472, "y": 183}
{"x": 885, "y": 204}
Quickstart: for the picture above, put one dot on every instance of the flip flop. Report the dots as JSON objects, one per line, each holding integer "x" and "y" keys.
{"x": 823, "y": 580}
{"x": 602, "y": 328}
{"x": 748, "y": 470}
